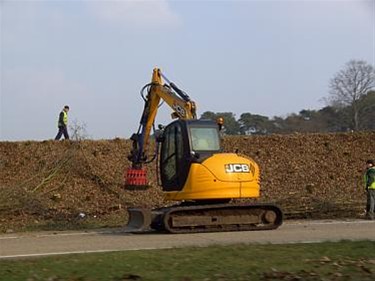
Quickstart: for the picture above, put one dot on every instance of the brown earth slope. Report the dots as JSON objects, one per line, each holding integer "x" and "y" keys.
{"x": 63, "y": 184}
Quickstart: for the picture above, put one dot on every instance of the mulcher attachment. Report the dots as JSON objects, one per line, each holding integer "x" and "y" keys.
{"x": 136, "y": 179}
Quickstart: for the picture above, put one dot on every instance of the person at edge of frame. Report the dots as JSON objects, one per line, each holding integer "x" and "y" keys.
{"x": 370, "y": 189}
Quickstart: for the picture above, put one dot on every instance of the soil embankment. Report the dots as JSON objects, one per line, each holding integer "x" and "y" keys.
{"x": 53, "y": 184}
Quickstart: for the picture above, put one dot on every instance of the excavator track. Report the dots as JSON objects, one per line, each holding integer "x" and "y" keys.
{"x": 207, "y": 218}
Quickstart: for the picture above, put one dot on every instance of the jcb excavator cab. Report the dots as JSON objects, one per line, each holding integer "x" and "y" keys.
{"x": 185, "y": 142}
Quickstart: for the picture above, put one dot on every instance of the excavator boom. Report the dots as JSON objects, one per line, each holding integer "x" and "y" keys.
{"x": 183, "y": 108}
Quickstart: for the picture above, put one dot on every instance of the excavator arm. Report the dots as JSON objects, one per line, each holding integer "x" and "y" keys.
{"x": 183, "y": 108}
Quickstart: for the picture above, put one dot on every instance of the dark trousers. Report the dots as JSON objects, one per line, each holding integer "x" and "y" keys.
{"x": 370, "y": 203}
{"x": 62, "y": 131}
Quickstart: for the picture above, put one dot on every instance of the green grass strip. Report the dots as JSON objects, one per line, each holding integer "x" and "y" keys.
{"x": 319, "y": 261}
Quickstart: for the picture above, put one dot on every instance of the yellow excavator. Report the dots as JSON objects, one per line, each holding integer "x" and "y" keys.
{"x": 193, "y": 171}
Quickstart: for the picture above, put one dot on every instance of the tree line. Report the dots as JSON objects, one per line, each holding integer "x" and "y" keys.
{"x": 350, "y": 107}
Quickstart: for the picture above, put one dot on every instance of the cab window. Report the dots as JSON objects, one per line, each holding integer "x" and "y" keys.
{"x": 172, "y": 153}
{"x": 204, "y": 139}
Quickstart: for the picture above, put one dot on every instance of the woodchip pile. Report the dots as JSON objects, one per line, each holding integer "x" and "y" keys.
{"x": 308, "y": 175}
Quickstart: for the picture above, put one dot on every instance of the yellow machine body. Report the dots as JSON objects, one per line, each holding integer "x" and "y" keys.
{"x": 221, "y": 176}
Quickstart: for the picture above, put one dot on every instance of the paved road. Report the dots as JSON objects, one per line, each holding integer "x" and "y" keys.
{"x": 68, "y": 242}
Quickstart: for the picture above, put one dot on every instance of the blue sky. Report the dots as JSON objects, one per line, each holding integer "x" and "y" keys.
{"x": 264, "y": 57}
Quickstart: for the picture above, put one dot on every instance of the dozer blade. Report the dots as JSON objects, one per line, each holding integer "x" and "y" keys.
{"x": 139, "y": 219}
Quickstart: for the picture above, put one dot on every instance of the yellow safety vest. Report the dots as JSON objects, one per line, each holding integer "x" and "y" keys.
{"x": 65, "y": 117}
{"x": 372, "y": 186}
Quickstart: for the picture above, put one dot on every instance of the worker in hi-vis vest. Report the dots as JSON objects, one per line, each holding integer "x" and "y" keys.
{"x": 62, "y": 124}
{"x": 370, "y": 189}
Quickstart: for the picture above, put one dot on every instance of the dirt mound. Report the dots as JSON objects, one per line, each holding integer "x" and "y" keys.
{"x": 311, "y": 175}
{"x": 63, "y": 184}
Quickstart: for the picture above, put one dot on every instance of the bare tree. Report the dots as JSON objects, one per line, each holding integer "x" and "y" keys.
{"x": 349, "y": 85}
{"x": 78, "y": 130}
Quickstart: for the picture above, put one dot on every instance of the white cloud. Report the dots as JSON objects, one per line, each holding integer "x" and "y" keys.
{"x": 136, "y": 13}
